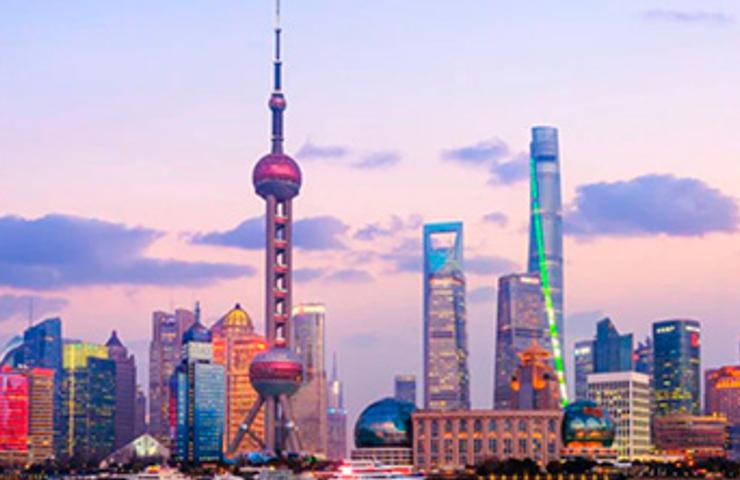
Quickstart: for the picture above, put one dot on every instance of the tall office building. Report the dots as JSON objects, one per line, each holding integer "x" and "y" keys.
{"x": 336, "y": 417}
{"x": 583, "y": 354}
{"x": 520, "y": 320}
{"x": 140, "y": 426}
{"x": 612, "y": 351}
{"x": 88, "y": 402}
{"x": 404, "y": 388}
{"x": 164, "y": 356}
{"x": 644, "y": 357}
{"x": 235, "y": 344}
{"x": 198, "y": 392}
{"x": 310, "y": 402}
{"x": 41, "y": 395}
{"x": 546, "y": 219}
{"x": 676, "y": 367}
{"x": 446, "y": 377}
{"x": 722, "y": 393}
{"x": 125, "y": 413}
{"x": 13, "y": 417}
{"x": 534, "y": 384}
{"x": 626, "y": 396}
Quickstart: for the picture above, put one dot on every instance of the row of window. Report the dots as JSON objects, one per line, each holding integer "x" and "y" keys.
{"x": 462, "y": 425}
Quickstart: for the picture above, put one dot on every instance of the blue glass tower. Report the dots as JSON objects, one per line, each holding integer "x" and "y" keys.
{"x": 446, "y": 378}
{"x": 612, "y": 351}
{"x": 676, "y": 367}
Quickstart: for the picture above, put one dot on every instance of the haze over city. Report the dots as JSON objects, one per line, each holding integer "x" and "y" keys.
{"x": 130, "y": 130}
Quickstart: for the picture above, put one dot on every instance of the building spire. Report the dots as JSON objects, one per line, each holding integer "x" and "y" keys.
{"x": 277, "y": 100}
{"x": 334, "y": 375}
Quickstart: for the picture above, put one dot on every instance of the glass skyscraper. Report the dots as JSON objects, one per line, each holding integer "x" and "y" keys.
{"x": 546, "y": 210}
{"x": 612, "y": 351}
{"x": 446, "y": 378}
{"x": 404, "y": 388}
{"x": 125, "y": 416}
{"x": 676, "y": 367}
{"x": 520, "y": 322}
{"x": 337, "y": 417}
{"x": 583, "y": 354}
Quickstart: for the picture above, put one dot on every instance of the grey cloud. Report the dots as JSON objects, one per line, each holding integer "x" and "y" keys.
{"x": 378, "y": 160}
{"x": 497, "y": 218}
{"x": 311, "y": 151}
{"x": 305, "y": 275}
{"x": 503, "y": 166}
{"x": 23, "y": 305}
{"x": 395, "y": 225}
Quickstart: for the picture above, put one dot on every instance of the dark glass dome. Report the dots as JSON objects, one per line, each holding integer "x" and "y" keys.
{"x": 586, "y": 424}
{"x": 385, "y": 423}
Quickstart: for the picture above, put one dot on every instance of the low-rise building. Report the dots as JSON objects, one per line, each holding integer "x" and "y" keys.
{"x": 691, "y": 436}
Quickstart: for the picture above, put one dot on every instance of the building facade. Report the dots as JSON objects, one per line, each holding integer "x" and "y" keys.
{"x": 235, "y": 344}
{"x": 404, "y": 388}
{"x": 583, "y": 360}
{"x": 140, "y": 426}
{"x": 520, "y": 321}
{"x": 676, "y": 367}
{"x": 14, "y": 408}
{"x": 546, "y": 211}
{"x": 446, "y": 377}
{"x": 336, "y": 417}
{"x": 308, "y": 339}
{"x": 534, "y": 384}
{"x": 88, "y": 402}
{"x": 644, "y": 357}
{"x": 164, "y": 356}
{"x": 41, "y": 392}
{"x": 722, "y": 393}
{"x": 612, "y": 351}
{"x": 692, "y": 436}
{"x": 451, "y": 440}
{"x": 626, "y": 397}
{"x": 125, "y": 413}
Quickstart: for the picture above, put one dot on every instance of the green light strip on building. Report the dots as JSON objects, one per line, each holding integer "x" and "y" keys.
{"x": 546, "y": 290}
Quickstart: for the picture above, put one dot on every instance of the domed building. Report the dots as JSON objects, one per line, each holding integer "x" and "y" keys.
{"x": 235, "y": 344}
{"x": 383, "y": 433}
{"x": 587, "y": 431}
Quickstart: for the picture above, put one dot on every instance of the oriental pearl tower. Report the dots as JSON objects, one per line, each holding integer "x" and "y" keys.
{"x": 276, "y": 373}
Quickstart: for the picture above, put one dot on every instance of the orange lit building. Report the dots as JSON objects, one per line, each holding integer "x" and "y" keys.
{"x": 722, "y": 393}
{"x": 234, "y": 346}
{"x": 693, "y": 437}
{"x": 534, "y": 386}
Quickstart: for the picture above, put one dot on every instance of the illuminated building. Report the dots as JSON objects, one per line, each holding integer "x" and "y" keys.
{"x": 310, "y": 401}
{"x": 13, "y": 417}
{"x": 583, "y": 354}
{"x": 612, "y": 351}
{"x": 677, "y": 367}
{"x": 336, "y": 418}
{"x": 164, "y": 357}
{"x": 234, "y": 346}
{"x": 404, "y": 388}
{"x": 722, "y": 393}
{"x": 449, "y": 441}
{"x": 446, "y": 377}
{"x": 520, "y": 320}
{"x": 140, "y": 414}
{"x": 587, "y": 431}
{"x": 88, "y": 402}
{"x": 546, "y": 237}
{"x": 534, "y": 384}
{"x": 383, "y": 433}
{"x": 199, "y": 392}
{"x": 143, "y": 448}
{"x": 276, "y": 374}
{"x": 692, "y": 436}
{"x": 626, "y": 397}
{"x": 42, "y": 392}
{"x": 125, "y": 413}
{"x": 644, "y": 357}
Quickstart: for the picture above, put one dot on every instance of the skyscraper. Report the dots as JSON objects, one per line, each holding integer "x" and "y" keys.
{"x": 164, "y": 356}
{"x": 546, "y": 236}
{"x": 310, "y": 402}
{"x": 612, "y": 351}
{"x": 336, "y": 417}
{"x": 520, "y": 320}
{"x": 676, "y": 366}
{"x": 13, "y": 417}
{"x": 446, "y": 378}
{"x": 534, "y": 385}
{"x": 41, "y": 392}
{"x": 125, "y": 412}
{"x": 644, "y": 357}
{"x": 140, "y": 426}
{"x": 198, "y": 390}
{"x": 235, "y": 344}
{"x": 88, "y": 402}
{"x": 404, "y": 388}
{"x": 583, "y": 354}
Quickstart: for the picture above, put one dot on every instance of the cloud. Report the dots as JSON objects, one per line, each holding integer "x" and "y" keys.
{"x": 651, "y": 205}
{"x": 489, "y": 265}
{"x": 497, "y": 218}
{"x": 378, "y": 160}
{"x": 58, "y": 251}
{"x": 482, "y": 295}
{"x": 350, "y": 275}
{"x": 406, "y": 256}
{"x": 680, "y": 16}
{"x": 24, "y": 305}
{"x": 504, "y": 167}
{"x": 363, "y": 340}
{"x": 311, "y": 151}
{"x": 313, "y": 233}
{"x": 304, "y": 275}
{"x": 395, "y": 225}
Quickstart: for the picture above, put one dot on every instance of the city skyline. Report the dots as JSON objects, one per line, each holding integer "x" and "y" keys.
{"x": 211, "y": 174}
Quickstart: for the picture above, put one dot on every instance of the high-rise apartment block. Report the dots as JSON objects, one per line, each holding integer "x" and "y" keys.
{"x": 676, "y": 367}
{"x": 446, "y": 377}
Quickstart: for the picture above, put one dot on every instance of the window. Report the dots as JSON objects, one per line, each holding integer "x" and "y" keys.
{"x": 508, "y": 446}
{"x": 522, "y": 425}
{"x": 508, "y": 425}
{"x": 477, "y": 425}
{"x": 448, "y": 426}
{"x": 492, "y": 425}
{"x": 477, "y": 445}
{"x": 463, "y": 425}
{"x": 492, "y": 446}
{"x": 551, "y": 426}
{"x": 435, "y": 429}
{"x": 522, "y": 446}
{"x": 551, "y": 448}
{"x": 421, "y": 427}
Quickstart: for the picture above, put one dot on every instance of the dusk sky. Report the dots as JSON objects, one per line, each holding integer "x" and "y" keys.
{"x": 129, "y": 129}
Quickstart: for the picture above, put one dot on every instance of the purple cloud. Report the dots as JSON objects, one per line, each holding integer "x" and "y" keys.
{"x": 350, "y": 275}
{"x": 395, "y": 225}
{"x": 23, "y": 305}
{"x": 378, "y": 160}
{"x": 680, "y": 16}
{"x": 489, "y": 265}
{"x": 311, "y": 151}
{"x": 58, "y": 251}
{"x": 504, "y": 167}
{"x": 651, "y": 205}
{"x": 481, "y": 295}
{"x": 305, "y": 275}
{"x": 497, "y": 218}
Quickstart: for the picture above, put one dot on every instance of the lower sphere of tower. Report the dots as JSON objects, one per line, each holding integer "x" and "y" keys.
{"x": 278, "y": 371}
{"x": 278, "y": 175}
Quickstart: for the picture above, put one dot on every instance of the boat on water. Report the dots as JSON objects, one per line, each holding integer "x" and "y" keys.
{"x": 367, "y": 470}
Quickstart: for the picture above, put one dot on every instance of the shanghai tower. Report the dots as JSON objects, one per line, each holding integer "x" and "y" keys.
{"x": 546, "y": 236}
